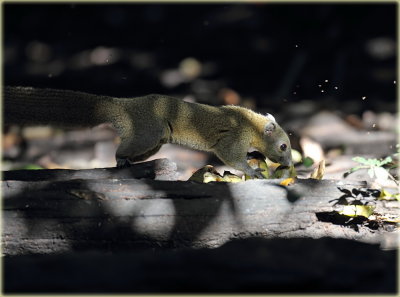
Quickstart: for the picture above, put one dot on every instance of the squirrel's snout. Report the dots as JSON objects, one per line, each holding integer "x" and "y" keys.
{"x": 285, "y": 161}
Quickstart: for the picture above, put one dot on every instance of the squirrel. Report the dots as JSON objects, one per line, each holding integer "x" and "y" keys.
{"x": 145, "y": 123}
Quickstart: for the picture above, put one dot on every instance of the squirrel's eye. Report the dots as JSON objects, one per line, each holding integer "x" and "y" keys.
{"x": 283, "y": 147}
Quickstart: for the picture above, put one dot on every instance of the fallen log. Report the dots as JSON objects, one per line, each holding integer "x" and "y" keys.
{"x": 122, "y": 214}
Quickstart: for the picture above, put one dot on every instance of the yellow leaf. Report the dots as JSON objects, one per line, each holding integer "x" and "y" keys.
{"x": 287, "y": 182}
{"x": 231, "y": 178}
{"x": 207, "y": 172}
{"x": 285, "y": 172}
{"x": 247, "y": 177}
{"x": 357, "y": 210}
{"x": 385, "y": 195}
{"x": 256, "y": 163}
{"x": 271, "y": 164}
{"x": 264, "y": 173}
{"x": 319, "y": 172}
{"x": 211, "y": 177}
{"x": 296, "y": 156}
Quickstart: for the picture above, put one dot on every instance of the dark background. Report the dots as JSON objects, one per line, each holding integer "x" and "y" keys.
{"x": 268, "y": 53}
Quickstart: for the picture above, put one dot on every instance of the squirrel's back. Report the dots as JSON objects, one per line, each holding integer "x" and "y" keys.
{"x": 201, "y": 126}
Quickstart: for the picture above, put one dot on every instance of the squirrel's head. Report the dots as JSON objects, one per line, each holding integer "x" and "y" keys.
{"x": 278, "y": 147}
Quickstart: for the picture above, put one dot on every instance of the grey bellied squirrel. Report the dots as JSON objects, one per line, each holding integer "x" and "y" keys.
{"x": 145, "y": 123}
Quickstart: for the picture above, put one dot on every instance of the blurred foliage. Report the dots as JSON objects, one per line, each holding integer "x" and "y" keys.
{"x": 375, "y": 168}
{"x": 28, "y": 167}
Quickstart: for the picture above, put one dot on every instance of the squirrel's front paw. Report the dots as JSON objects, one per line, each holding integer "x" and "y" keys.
{"x": 256, "y": 173}
{"x": 123, "y": 163}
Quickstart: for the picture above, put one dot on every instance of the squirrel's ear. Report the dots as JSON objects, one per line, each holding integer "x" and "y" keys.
{"x": 270, "y": 117}
{"x": 269, "y": 128}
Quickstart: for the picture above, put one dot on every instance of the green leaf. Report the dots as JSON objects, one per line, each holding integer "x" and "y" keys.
{"x": 308, "y": 162}
{"x": 386, "y": 161}
{"x": 360, "y": 160}
{"x": 373, "y": 162}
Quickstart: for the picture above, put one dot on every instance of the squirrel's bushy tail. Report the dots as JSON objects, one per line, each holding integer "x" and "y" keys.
{"x": 36, "y": 106}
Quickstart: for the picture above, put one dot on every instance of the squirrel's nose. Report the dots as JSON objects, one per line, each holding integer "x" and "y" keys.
{"x": 285, "y": 161}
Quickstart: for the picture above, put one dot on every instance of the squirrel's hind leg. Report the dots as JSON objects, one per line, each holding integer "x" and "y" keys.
{"x": 146, "y": 155}
{"x": 123, "y": 161}
{"x": 135, "y": 147}
{"x": 126, "y": 162}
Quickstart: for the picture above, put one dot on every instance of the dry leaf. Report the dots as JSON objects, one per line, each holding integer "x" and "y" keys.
{"x": 319, "y": 172}
{"x": 312, "y": 149}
